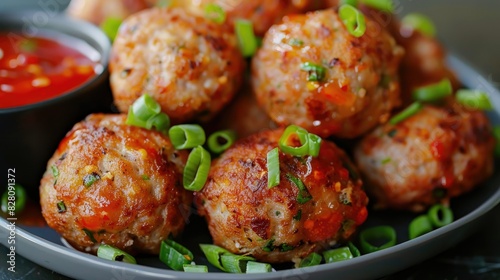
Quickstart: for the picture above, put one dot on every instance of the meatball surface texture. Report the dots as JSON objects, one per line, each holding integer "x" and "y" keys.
{"x": 282, "y": 223}
{"x": 430, "y": 157}
{"x": 115, "y": 184}
{"x": 351, "y": 86}
{"x": 189, "y": 64}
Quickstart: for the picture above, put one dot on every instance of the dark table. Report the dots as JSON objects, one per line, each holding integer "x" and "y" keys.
{"x": 469, "y": 30}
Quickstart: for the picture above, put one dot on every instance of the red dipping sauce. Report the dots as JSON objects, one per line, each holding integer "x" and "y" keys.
{"x": 33, "y": 69}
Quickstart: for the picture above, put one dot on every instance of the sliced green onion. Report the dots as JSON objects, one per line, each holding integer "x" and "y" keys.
{"x": 311, "y": 260}
{"x": 354, "y": 250}
{"x": 316, "y": 72}
{"x": 269, "y": 245}
{"x": 55, "y": 171}
{"x": 61, "y": 207}
{"x": 28, "y": 45}
{"x": 474, "y": 99}
{"x": 174, "y": 255}
{"x": 353, "y": 19}
{"x": 273, "y": 168}
{"x": 314, "y": 144}
{"x": 195, "y": 268}
{"x": 146, "y": 107}
{"x": 213, "y": 254}
{"x": 110, "y": 27}
{"x": 386, "y": 160}
{"x": 196, "y": 169}
{"x": 304, "y": 195}
{"x": 440, "y": 215}
{"x": 382, "y": 5}
{"x": 186, "y": 136}
{"x": 227, "y": 136}
{"x": 246, "y": 38}
{"x": 19, "y": 199}
{"x": 419, "y": 22}
{"x": 215, "y": 13}
{"x": 371, "y": 237}
{"x": 298, "y": 216}
{"x": 302, "y": 134}
{"x": 411, "y": 110}
{"x": 235, "y": 263}
{"x": 257, "y": 267}
{"x": 133, "y": 120}
{"x": 496, "y": 134}
{"x": 433, "y": 92}
{"x": 338, "y": 254}
{"x": 90, "y": 179}
{"x": 419, "y": 226}
{"x": 90, "y": 235}
{"x": 114, "y": 254}
{"x": 160, "y": 122}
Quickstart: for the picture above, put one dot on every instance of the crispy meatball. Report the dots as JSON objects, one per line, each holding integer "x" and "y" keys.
{"x": 280, "y": 224}
{"x": 360, "y": 84}
{"x": 189, "y": 64}
{"x": 428, "y": 158}
{"x": 262, "y": 13}
{"x": 96, "y": 11}
{"x": 115, "y": 184}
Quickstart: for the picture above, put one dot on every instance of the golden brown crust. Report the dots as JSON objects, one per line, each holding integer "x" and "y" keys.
{"x": 437, "y": 154}
{"x": 136, "y": 201}
{"x": 244, "y": 215}
{"x": 189, "y": 64}
{"x": 360, "y": 87}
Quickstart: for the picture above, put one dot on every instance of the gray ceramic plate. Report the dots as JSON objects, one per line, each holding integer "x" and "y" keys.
{"x": 44, "y": 246}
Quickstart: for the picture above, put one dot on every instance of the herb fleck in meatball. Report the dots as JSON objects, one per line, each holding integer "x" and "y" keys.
{"x": 281, "y": 223}
{"x": 115, "y": 184}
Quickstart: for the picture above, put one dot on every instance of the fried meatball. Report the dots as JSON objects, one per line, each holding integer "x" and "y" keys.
{"x": 115, "y": 184}
{"x": 190, "y": 65}
{"x": 428, "y": 158}
{"x": 360, "y": 84}
{"x": 262, "y": 13}
{"x": 96, "y": 11}
{"x": 280, "y": 224}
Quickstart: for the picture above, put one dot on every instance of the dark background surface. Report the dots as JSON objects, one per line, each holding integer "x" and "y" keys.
{"x": 468, "y": 29}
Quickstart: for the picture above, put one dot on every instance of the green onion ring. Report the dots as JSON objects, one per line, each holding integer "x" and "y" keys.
{"x": 369, "y": 235}
{"x": 353, "y": 19}
{"x": 304, "y": 195}
{"x": 174, "y": 255}
{"x": 213, "y": 140}
{"x": 196, "y": 169}
{"x": 496, "y": 134}
{"x": 474, "y": 99}
{"x": 311, "y": 260}
{"x": 273, "y": 168}
{"x": 433, "y": 92}
{"x": 160, "y": 122}
{"x": 314, "y": 144}
{"x": 338, "y": 254}
{"x": 411, "y": 110}
{"x": 235, "y": 263}
{"x": 257, "y": 267}
{"x": 419, "y": 226}
{"x": 316, "y": 72}
{"x": 302, "y": 134}
{"x": 145, "y": 107}
{"x": 215, "y": 13}
{"x": 438, "y": 210}
{"x": 114, "y": 254}
{"x": 246, "y": 38}
{"x": 186, "y": 136}
{"x": 213, "y": 254}
{"x": 419, "y": 22}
